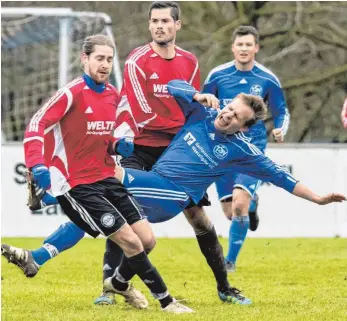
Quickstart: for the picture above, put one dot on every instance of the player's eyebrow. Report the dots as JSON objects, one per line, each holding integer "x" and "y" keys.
{"x": 103, "y": 56}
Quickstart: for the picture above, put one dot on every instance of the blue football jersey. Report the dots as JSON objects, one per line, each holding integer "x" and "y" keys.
{"x": 200, "y": 154}
{"x": 226, "y": 82}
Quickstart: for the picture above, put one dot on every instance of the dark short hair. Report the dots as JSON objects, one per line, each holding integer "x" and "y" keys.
{"x": 258, "y": 106}
{"x": 244, "y": 31}
{"x": 90, "y": 42}
{"x": 175, "y": 9}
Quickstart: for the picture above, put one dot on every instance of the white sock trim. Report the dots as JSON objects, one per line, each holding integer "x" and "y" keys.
{"x": 119, "y": 277}
{"x": 160, "y": 296}
{"x": 51, "y": 249}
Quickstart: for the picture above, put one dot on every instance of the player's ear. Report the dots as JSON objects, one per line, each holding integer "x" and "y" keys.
{"x": 256, "y": 48}
{"x": 84, "y": 58}
{"x": 178, "y": 24}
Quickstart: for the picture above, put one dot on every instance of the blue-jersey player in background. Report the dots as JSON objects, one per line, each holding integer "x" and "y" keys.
{"x": 210, "y": 145}
{"x": 237, "y": 191}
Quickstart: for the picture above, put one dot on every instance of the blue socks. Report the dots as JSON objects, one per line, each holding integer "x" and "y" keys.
{"x": 237, "y": 234}
{"x": 66, "y": 236}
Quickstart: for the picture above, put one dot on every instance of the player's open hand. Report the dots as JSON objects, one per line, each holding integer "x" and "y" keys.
{"x": 278, "y": 135}
{"x": 331, "y": 198}
{"x": 207, "y": 100}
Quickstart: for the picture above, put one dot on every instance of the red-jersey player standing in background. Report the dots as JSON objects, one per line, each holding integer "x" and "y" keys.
{"x": 82, "y": 118}
{"x": 157, "y": 118}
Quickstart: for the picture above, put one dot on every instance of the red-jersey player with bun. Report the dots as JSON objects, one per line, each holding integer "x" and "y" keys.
{"x": 82, "y": 116}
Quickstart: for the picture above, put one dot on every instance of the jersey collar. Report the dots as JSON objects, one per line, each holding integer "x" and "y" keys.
{"x": 99, "y": 88}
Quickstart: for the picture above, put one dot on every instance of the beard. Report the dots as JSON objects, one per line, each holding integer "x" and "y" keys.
{"x": 163, "y": 43}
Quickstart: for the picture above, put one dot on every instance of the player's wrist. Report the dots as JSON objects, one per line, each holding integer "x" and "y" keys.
{"x": 196, "y": 96}
{"x": 38, "y": 166}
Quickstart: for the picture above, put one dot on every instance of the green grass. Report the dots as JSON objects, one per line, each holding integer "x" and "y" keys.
{"x": 287, "y": 279}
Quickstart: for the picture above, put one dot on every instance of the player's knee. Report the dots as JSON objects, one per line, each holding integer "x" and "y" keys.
{"x": 149, "y": 245}
{"x": 128, "y": 241}
{"x": 227, "y": 209}
{"x": 148, "y": 241}
{"x": 198, "y": 219}
{"x": 240, "y": 205}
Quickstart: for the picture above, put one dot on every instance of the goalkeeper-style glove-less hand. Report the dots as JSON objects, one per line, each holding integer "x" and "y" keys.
{"x": 125, "y": 146}
{"x": 41, "y": 176}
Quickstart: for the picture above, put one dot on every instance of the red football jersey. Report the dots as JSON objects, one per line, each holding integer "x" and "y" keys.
{"x": 76, "y": 127}
{"x": 145, "y": 98}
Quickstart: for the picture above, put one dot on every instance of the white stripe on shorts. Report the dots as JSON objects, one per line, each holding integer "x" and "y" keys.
{"x": 83, "y": 213}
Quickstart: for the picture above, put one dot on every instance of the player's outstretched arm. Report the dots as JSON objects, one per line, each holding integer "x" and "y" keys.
{"x": 265, "y": 169}
{"x": 181, "y": 89}
{"x": 302, "y": 191}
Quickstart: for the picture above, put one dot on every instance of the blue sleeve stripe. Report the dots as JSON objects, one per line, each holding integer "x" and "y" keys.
{"x": 183, "y": 89}
{"x": 263, "y": 68}
{"x": 253, "y": 148}
{"x": 285, "y": 124}
{"x": 248, "y": 139}
{"x": 219, "y": 68}
{"x": 269, "y": 79}
{"x": 285, "y": 170}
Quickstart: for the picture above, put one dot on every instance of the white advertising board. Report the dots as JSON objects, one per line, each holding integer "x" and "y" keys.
{"x": 324, "y": 169}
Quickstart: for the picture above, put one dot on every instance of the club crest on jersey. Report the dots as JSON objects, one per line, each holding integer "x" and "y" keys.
{"x": 256, "y": 90}
{"x": 107, "y": 220}
{"x": 220, "y": 151}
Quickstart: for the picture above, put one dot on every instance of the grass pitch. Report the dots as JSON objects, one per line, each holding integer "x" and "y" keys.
{"x": 287, "y": 279}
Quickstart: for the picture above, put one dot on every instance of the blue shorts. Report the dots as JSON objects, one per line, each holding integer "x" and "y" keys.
{"x": 226, "y": 184}
{"x": 160, "y": 199}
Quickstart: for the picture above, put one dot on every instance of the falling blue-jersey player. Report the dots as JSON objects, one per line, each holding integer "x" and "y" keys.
{"x": 245, "y": 75}
{"x": 200, "y": 154}
{"x": 209, "y": 146}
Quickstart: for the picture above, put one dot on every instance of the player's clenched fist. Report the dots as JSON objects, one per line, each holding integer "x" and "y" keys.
{"x": 125, "y": 146}
{"x": 278, "y": 135}
{"x": 42, "y": 177}
{"x": 207, "y": 100}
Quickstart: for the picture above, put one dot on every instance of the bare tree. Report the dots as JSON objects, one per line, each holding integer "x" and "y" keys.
{"x": 304, "y": 43}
